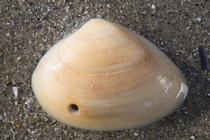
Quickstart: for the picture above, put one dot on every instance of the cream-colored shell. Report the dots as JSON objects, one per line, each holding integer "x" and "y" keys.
{"x": 105, "y": 77}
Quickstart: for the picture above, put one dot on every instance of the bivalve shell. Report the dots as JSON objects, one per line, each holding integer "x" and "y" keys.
{"x": 106, "y": 77}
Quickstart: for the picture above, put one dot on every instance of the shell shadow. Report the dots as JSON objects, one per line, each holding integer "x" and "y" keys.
{"x": 192, "y": 112}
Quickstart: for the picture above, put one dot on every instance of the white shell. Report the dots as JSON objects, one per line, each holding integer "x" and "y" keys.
{"x": 105, "y": 77}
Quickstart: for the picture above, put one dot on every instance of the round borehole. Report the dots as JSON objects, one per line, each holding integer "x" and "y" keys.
{"x": 73, "y": 108}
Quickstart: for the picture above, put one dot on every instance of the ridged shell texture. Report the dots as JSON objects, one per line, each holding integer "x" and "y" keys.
{"x": 106, "y": 77}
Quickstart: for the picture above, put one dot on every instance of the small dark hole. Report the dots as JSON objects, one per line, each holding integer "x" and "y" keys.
{"x": 73, "y": 108}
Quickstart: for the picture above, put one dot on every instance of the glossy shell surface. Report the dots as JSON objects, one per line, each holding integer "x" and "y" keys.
{"x": 106, "y": 77}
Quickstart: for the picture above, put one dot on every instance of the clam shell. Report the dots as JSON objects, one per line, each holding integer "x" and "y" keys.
{"x": 106, "y": 77}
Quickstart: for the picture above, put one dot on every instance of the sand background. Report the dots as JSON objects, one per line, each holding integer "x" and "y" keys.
{"x": 28, "y": 28}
